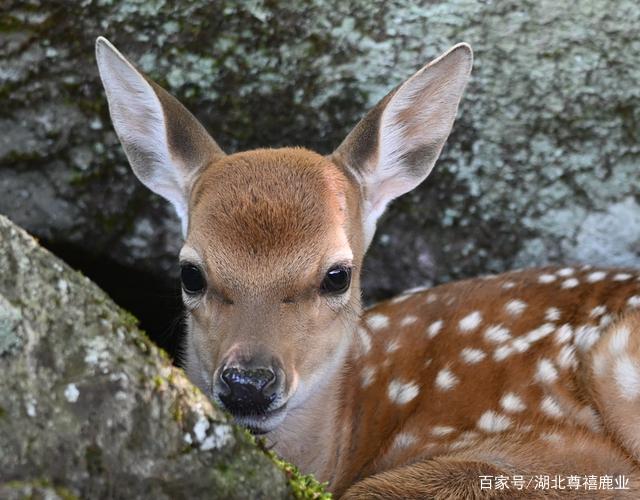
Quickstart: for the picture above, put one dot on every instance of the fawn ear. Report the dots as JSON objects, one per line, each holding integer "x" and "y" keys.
{"x": 165, "y": 144}
{"x": 394, "y": 147}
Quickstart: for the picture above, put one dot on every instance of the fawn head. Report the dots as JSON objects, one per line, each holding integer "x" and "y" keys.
{"x": 275, "y": 238}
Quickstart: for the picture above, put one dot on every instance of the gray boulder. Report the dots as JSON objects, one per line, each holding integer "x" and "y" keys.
{"x": 542, "y": 165}
{"x": 89, "y": 408}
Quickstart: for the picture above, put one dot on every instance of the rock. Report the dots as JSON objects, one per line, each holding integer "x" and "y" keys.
{"x": 545, "y": 145}
{"x": 90, "y": 408}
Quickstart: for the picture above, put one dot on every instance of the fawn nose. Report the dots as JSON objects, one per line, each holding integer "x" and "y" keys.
{"x": 248, "y": 390}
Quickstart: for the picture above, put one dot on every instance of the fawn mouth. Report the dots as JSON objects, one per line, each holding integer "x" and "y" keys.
{"x": 261, "y": 423}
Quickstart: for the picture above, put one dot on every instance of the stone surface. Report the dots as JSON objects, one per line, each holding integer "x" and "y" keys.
{"x": 543, "y": 160}
{"x": 89, "y": 408}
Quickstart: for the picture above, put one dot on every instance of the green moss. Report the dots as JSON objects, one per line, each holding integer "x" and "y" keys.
{"x": 303, "y": 486}
{"x": 177, "y": 413}
{"x": 128, "y": 319}
{"x": 158, "y": 382}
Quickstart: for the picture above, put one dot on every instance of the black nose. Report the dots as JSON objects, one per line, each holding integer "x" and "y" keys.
{"x": 249, "y": 390}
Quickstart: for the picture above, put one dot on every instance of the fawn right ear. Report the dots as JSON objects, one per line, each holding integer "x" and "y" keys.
{"x": 165, "y": 144}
{"x": 395, "y": 146}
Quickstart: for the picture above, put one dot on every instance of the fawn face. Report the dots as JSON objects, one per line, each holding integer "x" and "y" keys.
{"x": 274, "y": 239}
{"x": 269, "y": 279}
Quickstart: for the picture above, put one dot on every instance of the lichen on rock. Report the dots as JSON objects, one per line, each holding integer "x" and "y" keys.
{"x": 548, "y": 126}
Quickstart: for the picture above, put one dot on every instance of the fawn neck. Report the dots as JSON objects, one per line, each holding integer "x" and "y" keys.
{"x": 317, "y": 437}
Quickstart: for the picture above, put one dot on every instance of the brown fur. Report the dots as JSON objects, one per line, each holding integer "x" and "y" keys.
{"x": 481, "y": 385}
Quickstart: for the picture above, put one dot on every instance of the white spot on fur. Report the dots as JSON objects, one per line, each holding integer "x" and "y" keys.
{"x": 570, "y": 283}
{"x": 520, "y": 344}
{"x": 566, "y": 271}
{"x": 400, "y": 298}
{"x": 470, "y": 322}
{"x": 552, "y": 314}
{"x": 539, "y": 333}
{"x": 567, "y": 357}
{"x": 431, "y": 298}
{"x": 392, "y": 345}
{"x": 365, "y": 340}
{"x": 563, "y": 334}
{"x": 546, "y": 278}
{"x": 402, "y": 393}
{"x": 502, "y": 352}
{"x": 552, "y": 437}
{"x": 378, "y": 321}
{"x": 472, "y": 356}
{"x": 507, "y": 285}
{"x": 71, "y": 393}
{"x": 417, "y": 289}
{"x": 465, "y": 439}
{"x": 622, "y": 277}
{"x": 596, "y": 276}
{"x": 550, "y": 406}
{"x": 590, "y": 418}
{"x": 441, "y": 430}
{"x": 512, "y": 403}
{"x": 619, "y": 340}
{"x": 408, "y": 320}
{"x": 523, "y": 343}
{"x": 368, "y": 374}
{"x": 515, "y": 307}
{"x": 497, "y": 334}
{"x": 434, "y": 328}
{"x": 446, "y": 380}
{"x": 634, "y": 301}
{"x": 404, "y": 440}
{"x": 606, "y": 320}
{"x": 597, "y": 311}
{"x": 586, "y": 336}
{"x": 546, "y": 372}
{"x": 490, "y": 421}
{"x": 627, "y": 378}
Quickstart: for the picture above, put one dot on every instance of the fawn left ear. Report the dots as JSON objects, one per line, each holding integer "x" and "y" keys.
{"x": 394, "y": 147}
{"x": 166, "y": 145}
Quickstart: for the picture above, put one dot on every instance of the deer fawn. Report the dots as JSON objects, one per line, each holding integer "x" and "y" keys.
{"x": 526, "y": 373}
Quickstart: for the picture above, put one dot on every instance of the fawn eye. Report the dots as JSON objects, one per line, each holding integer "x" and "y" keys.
{"x": 192, "y": 278}
{"x": 337, "y": 280}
